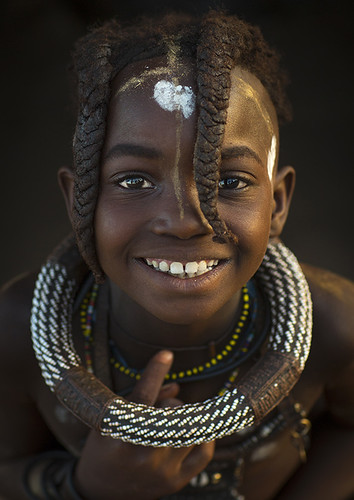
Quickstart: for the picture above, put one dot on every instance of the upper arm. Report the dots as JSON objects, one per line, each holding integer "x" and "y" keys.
{"x": 340, "y": 396}
{"x": 333, "y": 298}
{"x": 22, "y": 430}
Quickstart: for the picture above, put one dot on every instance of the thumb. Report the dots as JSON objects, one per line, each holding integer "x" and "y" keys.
{"x": 148, "y": 387}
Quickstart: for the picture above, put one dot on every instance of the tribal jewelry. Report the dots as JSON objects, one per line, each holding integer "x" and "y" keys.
{"x": 87, "y": 313}
{"x": 212, "y": 346}
{"x": 263, "y": 387}
{"x": 203, "y": 370}
{"x": 87, "y": 318}
{"x": 222, "y": 476}
{"x": 229, "y": 382}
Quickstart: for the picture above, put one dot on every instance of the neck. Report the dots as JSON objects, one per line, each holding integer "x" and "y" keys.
{"x": 131, "y": 325}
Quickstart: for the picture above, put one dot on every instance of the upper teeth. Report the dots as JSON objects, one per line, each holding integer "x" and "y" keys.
{"x": 190, "y": 269}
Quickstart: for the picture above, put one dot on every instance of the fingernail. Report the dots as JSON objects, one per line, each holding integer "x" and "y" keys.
{"x": 166, "y": 387}
{"x": 165, "y": 356}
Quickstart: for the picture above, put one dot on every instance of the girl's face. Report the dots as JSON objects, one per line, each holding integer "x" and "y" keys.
{"x": 148, "y": 212}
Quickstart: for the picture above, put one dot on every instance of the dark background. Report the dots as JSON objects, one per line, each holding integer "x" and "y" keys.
{"x": 315, "y": 39}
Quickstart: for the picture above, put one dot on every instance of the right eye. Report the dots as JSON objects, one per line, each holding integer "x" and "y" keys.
{"x": 134, "y": 182}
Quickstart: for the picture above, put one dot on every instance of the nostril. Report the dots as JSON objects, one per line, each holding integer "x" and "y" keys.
{"x": 185, "y": 227}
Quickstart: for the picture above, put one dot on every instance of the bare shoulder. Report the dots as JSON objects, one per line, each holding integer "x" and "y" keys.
{"x": 23, "y": 431}
{"x": 333, "y": 303}
{"x": 333, "y": 338}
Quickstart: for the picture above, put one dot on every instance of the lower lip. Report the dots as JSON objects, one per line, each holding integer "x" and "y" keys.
{"x": 197, "y": 284}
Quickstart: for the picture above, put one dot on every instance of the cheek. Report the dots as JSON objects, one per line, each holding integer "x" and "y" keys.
{"x": 120, "y": 225}
{"x": 111, "y": 230}
{"x": 250, "y": 222}
{"x": 103, "y": 240}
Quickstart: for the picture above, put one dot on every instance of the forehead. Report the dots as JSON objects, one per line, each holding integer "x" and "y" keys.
{"x": 154, "y": 91}
{"x": 248, "y": 92}
{"x": 145, "y": 98}
{"x": 251, "y": 114}
{"x": 139, "y": 77}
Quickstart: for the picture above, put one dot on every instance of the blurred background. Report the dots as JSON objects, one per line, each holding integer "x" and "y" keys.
{"x": 315, "y": 39}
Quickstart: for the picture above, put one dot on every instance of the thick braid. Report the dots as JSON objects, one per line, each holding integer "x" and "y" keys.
{"x": 95, "y": 72}
{"x": 99, "y": 57}
{"x": 225, "y": 42}
{"x": 94, "y": 92}
{"x": 214, "y": 63}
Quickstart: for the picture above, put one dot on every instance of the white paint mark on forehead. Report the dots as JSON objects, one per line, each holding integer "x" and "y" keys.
{"x": 173, "y": 97}
{"x": 271, "y": 157}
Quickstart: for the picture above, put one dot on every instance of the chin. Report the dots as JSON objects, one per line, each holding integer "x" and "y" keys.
{"x": 186, "y": 313}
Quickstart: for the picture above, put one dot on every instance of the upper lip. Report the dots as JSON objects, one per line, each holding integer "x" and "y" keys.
{"x": 183, "y": 256}
{"x": 184, "y": 261}
{"x": 177, "y": 259}
{"x": 184, "y": 251}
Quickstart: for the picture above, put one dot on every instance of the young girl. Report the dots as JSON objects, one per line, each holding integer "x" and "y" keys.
{"x": 163, "y": 354}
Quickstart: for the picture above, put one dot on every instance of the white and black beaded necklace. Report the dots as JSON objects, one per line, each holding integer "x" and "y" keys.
{"x": 258, "y": 392}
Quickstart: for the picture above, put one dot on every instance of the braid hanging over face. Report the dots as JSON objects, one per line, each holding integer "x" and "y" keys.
{"x": 216, "y": 43}
{"x": 214, "y": 63}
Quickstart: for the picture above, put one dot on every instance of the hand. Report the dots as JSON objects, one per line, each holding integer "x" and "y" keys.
{"x": 110, "y": 469}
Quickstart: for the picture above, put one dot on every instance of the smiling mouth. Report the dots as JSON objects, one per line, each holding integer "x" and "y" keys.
{"x": 180, "y": 270}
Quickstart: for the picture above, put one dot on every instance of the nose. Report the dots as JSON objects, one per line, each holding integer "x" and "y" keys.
{"x": 180, "y": 216}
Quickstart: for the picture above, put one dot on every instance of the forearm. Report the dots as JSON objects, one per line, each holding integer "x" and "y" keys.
{"x": 328, "y": 471}
{"x": 43, "y": 476}
{"x": 11, "y": 484}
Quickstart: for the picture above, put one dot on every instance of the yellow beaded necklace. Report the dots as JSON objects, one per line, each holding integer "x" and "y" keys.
{"x": 87, "y": 318}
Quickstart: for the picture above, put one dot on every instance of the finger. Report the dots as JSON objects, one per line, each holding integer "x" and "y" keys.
{"x": 148, "y": 387}
{"x": 169, "y": 403}
{"x": 168, "y": 391}
{"x": 198, "y": 459}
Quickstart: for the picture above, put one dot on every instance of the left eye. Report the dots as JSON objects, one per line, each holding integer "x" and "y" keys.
{"x": 232, "y": 183}
{"x": 135, "y": 182}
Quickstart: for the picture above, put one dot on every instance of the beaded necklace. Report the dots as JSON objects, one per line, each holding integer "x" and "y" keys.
{"x": 87, "y": 318}
{"x": 240, "y": 339}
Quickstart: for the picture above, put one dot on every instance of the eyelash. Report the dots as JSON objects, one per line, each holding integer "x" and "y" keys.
{"x": 233, "y": 179}
{"x": 135, "y": 185}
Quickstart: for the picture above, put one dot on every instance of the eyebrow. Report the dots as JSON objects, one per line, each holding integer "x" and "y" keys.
{"x": 137, "y": 150}
{"x": 237, "y": 151}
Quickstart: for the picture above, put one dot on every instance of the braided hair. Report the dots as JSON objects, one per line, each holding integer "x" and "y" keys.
{"x": 216, "y": 43}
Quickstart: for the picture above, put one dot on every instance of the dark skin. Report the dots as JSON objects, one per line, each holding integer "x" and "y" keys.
{"x": 255, "y": 210}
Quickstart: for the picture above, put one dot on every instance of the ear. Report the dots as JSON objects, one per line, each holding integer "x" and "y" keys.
{"x": 284, "y": 185}
{"x": 66, "y": 183}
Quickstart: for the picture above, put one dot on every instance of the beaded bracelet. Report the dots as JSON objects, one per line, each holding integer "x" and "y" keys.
{"x": 49, "y": 476}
